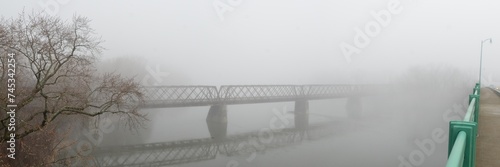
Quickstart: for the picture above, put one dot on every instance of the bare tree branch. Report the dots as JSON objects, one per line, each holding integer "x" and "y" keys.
{"x": 57, "y": 79}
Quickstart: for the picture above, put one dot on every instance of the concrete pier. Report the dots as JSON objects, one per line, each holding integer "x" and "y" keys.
{"x": 301, "y": 114}
{"x": 217, "y": 121}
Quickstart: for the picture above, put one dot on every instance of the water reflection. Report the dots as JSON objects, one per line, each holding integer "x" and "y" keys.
{"x": 344, "y": 140}
{"x": 185, "y": 151}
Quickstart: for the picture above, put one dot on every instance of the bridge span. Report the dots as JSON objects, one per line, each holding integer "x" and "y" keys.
{"x": 186, "y": 96}
{"x": 219, "y": 98}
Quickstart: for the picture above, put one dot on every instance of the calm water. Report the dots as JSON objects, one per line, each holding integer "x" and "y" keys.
{"x": 377, "y": 138}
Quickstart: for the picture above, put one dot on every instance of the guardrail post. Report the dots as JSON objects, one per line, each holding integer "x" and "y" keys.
{"x": 470, "y": 128}
{"x": 478, "y": 88}
{"x": 476, "y": 107}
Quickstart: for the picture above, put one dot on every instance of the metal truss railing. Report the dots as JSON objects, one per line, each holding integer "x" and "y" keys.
{"x": 238, "y": 94}
{"x": 179, "y": 96}
{"x": 182, "y": 96}
{"x": 329, "y": 91}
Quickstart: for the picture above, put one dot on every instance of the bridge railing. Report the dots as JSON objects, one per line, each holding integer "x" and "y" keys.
{"x": 171, "y": 96}
{"x": 256, "y": 93}
{"x": 328, "y": 91}
{"x": 180, "y": 96}
{"x": 462, "y": 135}
{"x": 271, "y": 93}
{"x": 325, "y": 91}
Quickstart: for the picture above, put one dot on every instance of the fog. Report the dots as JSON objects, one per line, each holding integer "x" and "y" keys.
{"x": 428, "y": 51}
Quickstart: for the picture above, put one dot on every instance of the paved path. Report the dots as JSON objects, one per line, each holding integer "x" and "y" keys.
{"x": 488, "y": 142}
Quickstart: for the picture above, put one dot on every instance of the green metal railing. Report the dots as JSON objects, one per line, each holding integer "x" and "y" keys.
{"x": 462, "y": 135}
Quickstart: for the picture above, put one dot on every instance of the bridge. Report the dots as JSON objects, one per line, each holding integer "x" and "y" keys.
{"x": 474, "y": 141}
{"x": 219, "y": 98}
{"x": 186, "y": 96}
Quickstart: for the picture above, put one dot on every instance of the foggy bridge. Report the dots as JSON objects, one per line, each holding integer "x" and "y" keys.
{"x": 218, "y": 99}
{"x": 186, "y": 96}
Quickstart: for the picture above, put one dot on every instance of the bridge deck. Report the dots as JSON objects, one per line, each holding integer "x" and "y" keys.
{"x": 488, "y": 142}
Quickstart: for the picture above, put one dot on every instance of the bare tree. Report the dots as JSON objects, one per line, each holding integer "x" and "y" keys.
{"x": 56, "y": 79}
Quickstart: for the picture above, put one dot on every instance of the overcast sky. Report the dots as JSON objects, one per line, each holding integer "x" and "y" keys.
{"x": 285, "y": 41}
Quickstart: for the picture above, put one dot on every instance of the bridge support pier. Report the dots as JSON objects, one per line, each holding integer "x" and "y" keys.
{"x": 301, "y": 114}
{"x": 353, "y": 107}
{"x": 217, "y": 121}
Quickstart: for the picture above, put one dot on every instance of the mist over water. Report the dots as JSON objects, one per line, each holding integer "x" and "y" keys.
{"x": 420, "y": 101}
{"x": 427, "y": 56}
